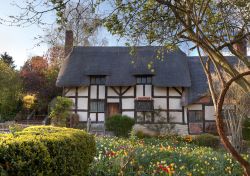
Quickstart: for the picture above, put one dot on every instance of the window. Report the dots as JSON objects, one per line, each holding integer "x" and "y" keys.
{"x": 97, "y": 80}
{"x": 144, "y": 79}
{"x": 96, "y": 106}
{"x": 144, "y": 105}
{"x": 195, "y": 116}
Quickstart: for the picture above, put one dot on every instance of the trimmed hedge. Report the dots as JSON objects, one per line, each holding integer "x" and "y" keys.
{"x": 120, "y": 125}
{"x": 46, "y": 150}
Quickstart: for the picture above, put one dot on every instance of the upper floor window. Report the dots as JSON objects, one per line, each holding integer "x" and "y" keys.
{"x": 97, "y": 106}
{"x": 97, "y": 80}
{"x": 144, "y": 79}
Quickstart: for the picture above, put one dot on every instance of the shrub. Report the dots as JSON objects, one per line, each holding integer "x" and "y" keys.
{"x": 60, "y": 112}
{"x": 120, "y": 125}
{"x": 207, "y": 140}
{"x": 46, "y": 151}
{"x": 29, "y": 101}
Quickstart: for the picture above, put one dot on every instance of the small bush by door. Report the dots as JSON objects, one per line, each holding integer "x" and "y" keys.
{"x": 120, "y": 125}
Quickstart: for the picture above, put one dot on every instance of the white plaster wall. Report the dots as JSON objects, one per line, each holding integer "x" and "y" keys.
{"x": 160, "y": 103}
{"x": 111, "y": 92}
{"x": 113, "y": 100}
{"x": 130, "y": 91}
{"x": 162, "y": 117}
{"x": 92, "y": 116}
{"x": 209, "y": 113}
{"x": 83, "y": 116}
{"x": 101, "y": 117}
{"x": 175, "y": 103}
{"x": 83, "y": 91}
{"x": 82, "y": 103}
{"x": 175, "y": 116}
{"x": 160, "y": 91}
{"x": 93, "y": 92}
{"x": 173, "y": 92}
{"x": 139, "y": 90}
{"x": 128, "y": 113}
{"x": 185, "y": 114}
{"x": 71, "y": 92}
{"x": 148, "y": 90}
{"x": 195, "y": 107}
{"x": 128, "y": 103}
{"x": 101, "y": 92}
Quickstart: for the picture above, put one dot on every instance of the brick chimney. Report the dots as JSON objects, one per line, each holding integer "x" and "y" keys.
{"x": 68, "y": 42}
{"x": 241, "y": 47}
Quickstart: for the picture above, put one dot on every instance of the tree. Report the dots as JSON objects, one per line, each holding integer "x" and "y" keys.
{"x": 10, "y": 92}
{"x": 236, "y": 108}
{"x": 210, "y": 26}
{"x": 32, "y": 74}
{"x": 39, "y": 78}
{"x": 7, "y": 59}
{"x": 82, "y": 21}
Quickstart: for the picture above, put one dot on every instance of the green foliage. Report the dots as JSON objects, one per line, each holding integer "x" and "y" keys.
{"x": 207, "y": 140}
{"x": 10, "y": 92}
{"x": 29, "y": 101}
{"x": 151, "y": 157}
{"x": 8, "y": 60}
{"x": 246, "y": 129}
{"x": 120, "y": 125}
{"x": 15, "y": 128}
{"x": 60, "y": 112}
{"x": 46, "y": 151}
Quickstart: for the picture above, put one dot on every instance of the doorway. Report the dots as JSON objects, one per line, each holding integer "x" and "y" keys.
{"x": 113, "y": 109}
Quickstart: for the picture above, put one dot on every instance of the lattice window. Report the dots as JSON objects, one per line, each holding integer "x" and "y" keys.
{"x": 97, "y": 106}
{"x": 144, "y": 105}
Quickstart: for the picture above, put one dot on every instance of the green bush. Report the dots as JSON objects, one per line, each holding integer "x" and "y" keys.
{"x": 60, "y": 111}
{"x": 46, "y": 151}
{"x": 246, "y": 130}
{"x": 207, "y": 140}
{"x": 120, "y": 125}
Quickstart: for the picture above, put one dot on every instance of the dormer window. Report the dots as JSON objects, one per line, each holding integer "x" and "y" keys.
{"x": 144, "y": 79}
{"x": 97, "y": 80}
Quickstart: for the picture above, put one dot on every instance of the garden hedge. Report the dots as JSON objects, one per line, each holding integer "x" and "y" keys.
{"x": 121, "y": 125}
{"x": 46, "y": 150}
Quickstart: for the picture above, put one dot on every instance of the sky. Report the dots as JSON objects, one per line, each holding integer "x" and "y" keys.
{"x": 19, "y": 42}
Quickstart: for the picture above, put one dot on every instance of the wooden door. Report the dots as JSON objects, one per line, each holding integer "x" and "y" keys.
{"x": 113, "y": 109}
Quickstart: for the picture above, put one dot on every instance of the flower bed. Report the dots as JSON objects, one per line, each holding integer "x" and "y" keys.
{"x": 171, "y": 156}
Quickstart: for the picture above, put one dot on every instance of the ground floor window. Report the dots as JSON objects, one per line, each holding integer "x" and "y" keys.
{"x": 97, "y": 106}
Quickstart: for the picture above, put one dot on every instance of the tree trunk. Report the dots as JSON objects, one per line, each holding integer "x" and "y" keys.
{"x": 220, "y": 125}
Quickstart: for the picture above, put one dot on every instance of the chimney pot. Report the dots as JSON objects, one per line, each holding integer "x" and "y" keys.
{"x": 68, "y": 42}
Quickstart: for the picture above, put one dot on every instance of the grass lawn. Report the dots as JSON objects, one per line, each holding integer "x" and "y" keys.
{"x": 168, "y": 156}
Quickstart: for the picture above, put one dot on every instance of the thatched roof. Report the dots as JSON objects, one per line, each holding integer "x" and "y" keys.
{"x": 174, "y": 69}
{"x": 115, "y": 63}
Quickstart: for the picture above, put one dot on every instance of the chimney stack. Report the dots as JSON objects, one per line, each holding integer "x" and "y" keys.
{"x": 241, "y": 46}
{"x": 68, "y": 42}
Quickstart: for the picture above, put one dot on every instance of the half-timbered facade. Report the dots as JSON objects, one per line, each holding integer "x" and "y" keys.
{"x": 103, "y": 81}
